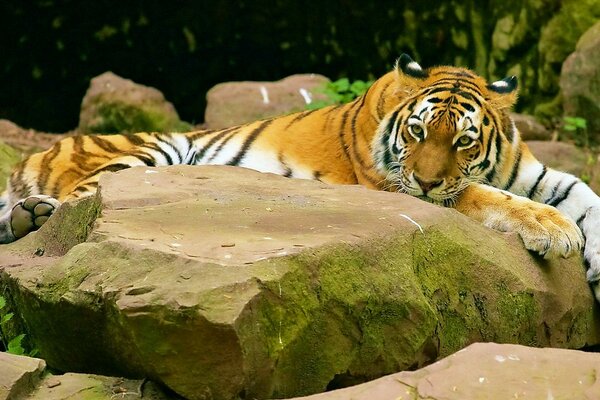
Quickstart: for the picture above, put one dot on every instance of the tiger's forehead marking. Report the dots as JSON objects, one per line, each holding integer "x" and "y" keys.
{"x": 469, "y": 120}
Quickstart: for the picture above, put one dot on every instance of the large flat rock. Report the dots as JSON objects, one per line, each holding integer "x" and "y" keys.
{"x": 485, "y": 371}
{"x": 225, "y": 283}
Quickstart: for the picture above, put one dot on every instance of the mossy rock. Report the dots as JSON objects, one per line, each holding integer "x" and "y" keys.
{"x": 225, "y": 283}
{"x": 116, "y": 105}
{"x": 9, "y": 157}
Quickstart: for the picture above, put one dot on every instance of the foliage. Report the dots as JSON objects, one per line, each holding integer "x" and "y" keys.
{"x": 14, "y": 345}
{"x": 578, "y": 127}
{"x": 340, "y": 92}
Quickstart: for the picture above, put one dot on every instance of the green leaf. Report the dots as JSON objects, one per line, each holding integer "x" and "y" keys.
{"x": 2, "y": 302}
{"x": 570, "y": 128}
{"x": 341, "y": 85}
{"x": 14, "y": 346}
{"x": 359, "y": 87}
{"x": 7, "y": 317}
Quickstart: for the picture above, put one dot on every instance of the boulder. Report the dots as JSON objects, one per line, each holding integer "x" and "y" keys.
{"x": 567, "y": 157}
{"x": 116, "y": 105}
{"x": 235, "y": 103}
{"x": 488, "y": 371}
{"x": 530, "y": 128}
{"x": 580, "y": 81}
{"x": 225, "y": 283}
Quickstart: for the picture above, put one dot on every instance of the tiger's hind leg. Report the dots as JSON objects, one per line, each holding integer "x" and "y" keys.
{"x": 26, "y": 216}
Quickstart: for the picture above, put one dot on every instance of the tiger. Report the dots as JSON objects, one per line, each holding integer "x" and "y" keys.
{"x": 442, "y": 134}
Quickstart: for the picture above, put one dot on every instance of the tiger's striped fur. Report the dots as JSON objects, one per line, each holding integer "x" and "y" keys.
{"x": 442, "y": 134}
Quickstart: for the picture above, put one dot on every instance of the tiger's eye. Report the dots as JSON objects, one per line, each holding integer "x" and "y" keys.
{"x": 416, "y": 130}
{"x": 464, "y": 141}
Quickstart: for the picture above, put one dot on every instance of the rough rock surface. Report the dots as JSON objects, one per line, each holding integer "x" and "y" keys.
{"x": 27, "y": 140}
{"x": 235, "y": 103}
{"x": 569, "y": 158}
{"x": 26, "y": 377}
{"x": 225, "y": 283}
{"x": 580, "y": 81}
{"x": 485, "y": 371}
{"x": 530, "y": 128}
{"x": 19, "y": 375}
{"x": 116, "y": 105}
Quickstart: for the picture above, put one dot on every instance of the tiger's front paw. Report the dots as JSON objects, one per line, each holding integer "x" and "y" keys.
{"x": 543, "y": 228}
{"x": 30, "y": 214}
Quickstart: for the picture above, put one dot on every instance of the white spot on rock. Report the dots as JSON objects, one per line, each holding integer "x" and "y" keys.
{"x": 305, "y": 95}
{"x": 412, "y": 221}
{"x": 265, "y": 94}
{"x": 500, "y": 358}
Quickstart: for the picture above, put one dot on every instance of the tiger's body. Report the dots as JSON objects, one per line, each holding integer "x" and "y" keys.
{"x": 442, "y": 134}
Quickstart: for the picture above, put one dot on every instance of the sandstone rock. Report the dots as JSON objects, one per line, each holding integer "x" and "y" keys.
{"x": 25, "y": 377}
{"x": 86, "y": 386}
{"x": 569, "y": 158}
{"x": 225, "y": 283}
{"x": 235, "y": 103}
{"x": 488, "y": 371}
{"x": 115, "y": 105}
{"x": 580, "y": 81}
{"x": 28, "y": 141}
{"x": 18, "y": 375}
{"x": 530, "y": 128}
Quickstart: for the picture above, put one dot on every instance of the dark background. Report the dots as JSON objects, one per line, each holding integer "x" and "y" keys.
{"x": 52, "y": 48}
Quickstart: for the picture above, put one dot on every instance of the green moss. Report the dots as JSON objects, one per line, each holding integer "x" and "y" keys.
{"x": 117, "y": 117}
{"x": 337, "y": 312}
{"x": 518, "y": 312}
{"x": 70, "y": 226}
{"x": 8, "y": 158}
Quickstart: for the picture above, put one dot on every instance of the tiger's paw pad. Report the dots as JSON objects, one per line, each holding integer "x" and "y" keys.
{"x": 30, "y": 214}
{"x": 548, "y": 232}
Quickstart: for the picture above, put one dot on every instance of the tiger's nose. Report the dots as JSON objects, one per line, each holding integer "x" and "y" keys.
{"x": 427, "y": 185}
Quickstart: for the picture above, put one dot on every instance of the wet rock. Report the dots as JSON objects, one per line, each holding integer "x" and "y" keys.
{"x": 580, "y": 81}
{"x": 235, "y": 103}
{"x": 488, "y": 371}
{"x": 226, "y": 283}
{"x": 116, "y": 105}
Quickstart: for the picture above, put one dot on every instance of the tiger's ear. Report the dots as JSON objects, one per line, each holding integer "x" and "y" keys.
{"x": 409, "y": 74}
{"x": 503, "y": 93}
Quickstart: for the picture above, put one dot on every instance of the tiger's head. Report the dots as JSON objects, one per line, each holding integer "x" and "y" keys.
{"x": 447, "y": 131}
